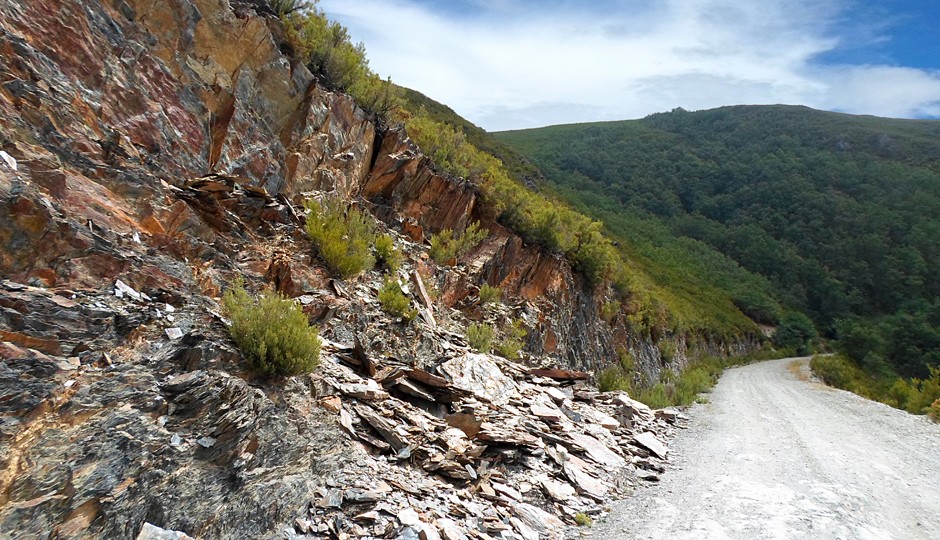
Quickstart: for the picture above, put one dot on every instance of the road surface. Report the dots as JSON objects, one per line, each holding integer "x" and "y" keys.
{"x": 774, "y": 455}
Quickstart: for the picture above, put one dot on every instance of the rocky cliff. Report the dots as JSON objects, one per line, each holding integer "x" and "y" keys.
{"x": 151, "y": 152}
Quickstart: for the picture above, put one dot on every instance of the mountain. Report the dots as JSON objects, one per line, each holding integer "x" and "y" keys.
{"x": 836, "y": 213}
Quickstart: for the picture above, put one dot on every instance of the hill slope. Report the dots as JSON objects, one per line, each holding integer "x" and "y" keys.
{"x": 837, "y": 212}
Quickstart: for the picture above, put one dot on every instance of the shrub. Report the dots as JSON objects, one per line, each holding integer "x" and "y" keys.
{"x": 343, "y": 237}
{"x": 326, "y": 49}
{"x": 933, "y": 412}
{"x": 613, "y": 379}
{"x": 609, "y": 310}
{"x": 667, "y": 349}
{"x": 512, "y": 341}
{"x": 480, "y": 336}
{"x": 394, "y": 302}
{"x": 271, "y": 332}
{"x": 583, "y": 520}
{"x": 387, "y": 254}
{"x": 797, "y": 331}
{"x": 489, "y": 294}
{"x": 286, "y": 7}
{"x": 658, "y": 396}
{"x": 446, "y": 247}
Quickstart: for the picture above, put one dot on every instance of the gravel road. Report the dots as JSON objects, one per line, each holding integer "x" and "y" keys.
{"x": 774, "y": 455}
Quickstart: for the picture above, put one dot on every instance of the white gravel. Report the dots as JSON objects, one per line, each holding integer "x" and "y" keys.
{"x": 774, "y": 455}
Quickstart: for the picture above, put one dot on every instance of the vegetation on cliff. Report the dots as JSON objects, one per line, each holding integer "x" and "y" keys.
{"x": 326, "y": 48}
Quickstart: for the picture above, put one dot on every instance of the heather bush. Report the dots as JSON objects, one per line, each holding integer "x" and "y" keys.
{"x": 446, "y": 246}
{"x": 343, "y": 236}
{"x": 480, "y": 336}
{"x": 394, "y": 302}
{"x": 489, "y": 294}
{"x": 387, "y": 254}
{"x": 271, "y": 331}
{"x": 512, "y": 340}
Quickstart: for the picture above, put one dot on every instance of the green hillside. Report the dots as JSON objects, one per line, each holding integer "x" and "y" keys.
{"x": 838, "y": 215}
{"x": 674, "y": 284}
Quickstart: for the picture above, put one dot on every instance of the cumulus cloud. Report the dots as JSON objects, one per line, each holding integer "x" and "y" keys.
{"x": 509, "y": 65}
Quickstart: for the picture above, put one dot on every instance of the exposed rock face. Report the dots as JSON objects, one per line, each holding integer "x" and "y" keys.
{"x": 151, "y": 151}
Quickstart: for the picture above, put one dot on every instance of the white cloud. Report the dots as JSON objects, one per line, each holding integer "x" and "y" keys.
{"x": 513, "y": 65}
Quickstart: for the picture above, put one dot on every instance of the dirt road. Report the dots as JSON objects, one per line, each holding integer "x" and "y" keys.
{"x": 775, "y": 456}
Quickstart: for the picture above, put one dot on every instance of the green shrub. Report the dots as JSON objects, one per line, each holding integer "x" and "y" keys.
{"x": 613, "y": 379}
{"x": 326, "y": 49}
{"x": 513, "y": 340}
{"x": 446, "y": 247}
{"x": 658, "y": 396}
{"x": 480, "y": 336}
{"x": 271, "y": 332}
{"x": 286, "y": 7}
{"x": 343, "y": 237}
{"x": 387, "y": 254}
{"x": 583, "y": 520}
{"x": 795, "y": 331}
{"x": 933, "y": 412}
{"x": 394, "y": 302}
{"x": 667, "y": 349}
{"x": 489, "y": 294}
{"x": 609, "y": 310}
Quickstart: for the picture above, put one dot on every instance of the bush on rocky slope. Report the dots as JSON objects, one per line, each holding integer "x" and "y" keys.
{"x": 342, "y": 236}
{"x": 446, "y": 246}
{"x": 394, "y": 302}
{"x": 271, "y": 332}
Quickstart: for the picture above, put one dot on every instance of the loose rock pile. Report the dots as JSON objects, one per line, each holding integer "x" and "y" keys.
{"x": 476, "y": 447}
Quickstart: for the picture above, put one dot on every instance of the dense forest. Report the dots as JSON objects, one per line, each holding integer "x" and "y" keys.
{"x": 831, "y": 215}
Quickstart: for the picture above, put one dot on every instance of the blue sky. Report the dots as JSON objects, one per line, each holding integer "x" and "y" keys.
{"x": 515, "y": 64}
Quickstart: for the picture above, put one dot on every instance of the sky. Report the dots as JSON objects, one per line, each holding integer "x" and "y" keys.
{"x": 506, "y": 64}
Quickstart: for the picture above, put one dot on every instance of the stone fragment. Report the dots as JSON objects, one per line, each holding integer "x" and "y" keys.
{"x": 121, "y": 289}
{"x": 174, "y": 333}
{"x": 560, "y": 374}
{"x": 526, "y": 532}
{"x": 468, "y": 423}
{"x": 8, "y": 159}
{"x": 549, "y": 414}
{"x": 429, "y": 532}
{"x": 650, "y": 442}
{"x": 332, "y": 403}
{"x": 507, "y": 490}
{"x": 152, "y": 532}
{"x": 367, "y": 392}
{"x": 539, "y": 520}
{"x": 478, "y": 374}
{"x": 408, "y": 517}
{"x": 556, "y": 394}
{"x": 384, "y": 426}
{"x": 597, "y": 450}
{"x": 449, "y": 529}
{"x": 205, "y": 442}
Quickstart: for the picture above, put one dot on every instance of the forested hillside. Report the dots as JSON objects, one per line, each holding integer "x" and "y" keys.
{"x": 838, "y": 214}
